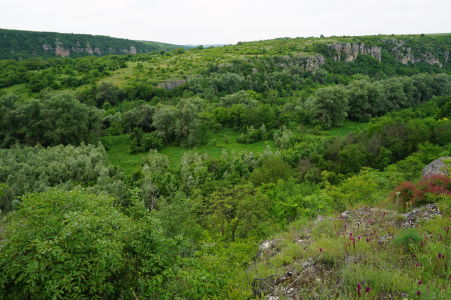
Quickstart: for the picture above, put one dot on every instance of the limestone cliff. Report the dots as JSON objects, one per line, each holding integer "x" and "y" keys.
{"x": 349, "y": 51}
{"x": 406, "y": 55}
{"x": 19, "y": 44}
{"x": 399, "y": 49}
{"x": 60, "y": 50}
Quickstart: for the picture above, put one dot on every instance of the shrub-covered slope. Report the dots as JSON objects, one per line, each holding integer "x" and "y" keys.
{"x": 26, "y": 44}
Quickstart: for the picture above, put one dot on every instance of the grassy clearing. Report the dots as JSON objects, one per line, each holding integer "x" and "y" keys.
{"x": 345, "y": 128}
{"x": 224, "y": 140}
{"x": 20, "y": 90}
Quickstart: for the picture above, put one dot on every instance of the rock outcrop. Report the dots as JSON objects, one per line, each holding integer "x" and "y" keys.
{"x": 169, "y": 85}
{"x": 420, "y": 214}
{"x": 349, "y": 51}
{"x": 438, "y": 167}
{"x": 60, "y": 50}
{"x": 308, "y": 275}
{"x": 308, "y": 63}
{"x": 405, "y": 54}
{"x": 314, "y": 62}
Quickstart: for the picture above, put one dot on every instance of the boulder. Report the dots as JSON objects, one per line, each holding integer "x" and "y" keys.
{"x": 412, "y": 218}
{"x": 437, "y": 167}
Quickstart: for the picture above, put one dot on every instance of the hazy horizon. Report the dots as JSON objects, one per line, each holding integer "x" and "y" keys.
{"x": 226, "y": 22}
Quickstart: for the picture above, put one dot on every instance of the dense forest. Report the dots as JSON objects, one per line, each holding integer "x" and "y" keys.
{"x": 20, "y": 44}
{"x": 277, "y": 169}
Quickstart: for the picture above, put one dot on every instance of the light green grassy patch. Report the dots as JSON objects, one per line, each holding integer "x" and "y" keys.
{"x": 20, "y": 90}
{"x": 224, "y": 140}
{"x": 345, "y": 128}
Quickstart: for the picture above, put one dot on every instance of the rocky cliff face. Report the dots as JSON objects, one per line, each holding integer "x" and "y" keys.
{"x": 405, "y": 54}
{"x": 60, "y": 50}
{"x": 349, "y": 51}
{"x": 309, "y": 63}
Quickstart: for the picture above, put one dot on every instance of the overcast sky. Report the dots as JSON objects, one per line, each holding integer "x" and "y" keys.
{"x": 221, "y": 21}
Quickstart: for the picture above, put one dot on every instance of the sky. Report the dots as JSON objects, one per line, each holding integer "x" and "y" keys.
{"x": 226, "y": 22}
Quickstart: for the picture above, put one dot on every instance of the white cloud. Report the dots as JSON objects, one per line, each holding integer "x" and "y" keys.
{"x": 210, "y": 21}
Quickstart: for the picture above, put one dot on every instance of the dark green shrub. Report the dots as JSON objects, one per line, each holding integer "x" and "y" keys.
{"x": 408, "y": 239}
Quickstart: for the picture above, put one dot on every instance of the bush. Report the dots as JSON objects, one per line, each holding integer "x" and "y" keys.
{"x": 35, "y": 169}
{"x": 273, "y": 168}
{"x": 408, "y": 239}
{"x": 143, "y": 142}
{"x": 423, "y": 192}
{"x": 74, "y": 236}
{"x": 82, "y": 247}
{"x": 253, "y": 135}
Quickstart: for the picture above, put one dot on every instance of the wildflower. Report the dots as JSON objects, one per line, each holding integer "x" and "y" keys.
{"x": 418, "y": 293}
{"x": 367, "y": 240}
{"x": 359, "y": 289}
{"x": 367, "y": 290}
{"x": 420, "y": 282}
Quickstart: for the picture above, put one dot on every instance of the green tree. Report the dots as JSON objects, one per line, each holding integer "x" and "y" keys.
{"x": 107, "y": 93}
{"x": 329, "y": 105}
{"x": 57, "y": 119}
{"x": 64, "y": 245}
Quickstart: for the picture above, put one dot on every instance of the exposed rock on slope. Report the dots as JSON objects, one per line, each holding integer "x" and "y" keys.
{"x": 313, "y": 270}
{"x": 169, "y": 85}
{"x": 18, "y": 44}
{"x": 437, "y": 167}
{"x": 349, "y": 51}
{"x": 406, "y": 55}
{"x": 65, "y": 51}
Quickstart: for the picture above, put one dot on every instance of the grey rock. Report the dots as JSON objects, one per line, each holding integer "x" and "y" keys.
{"x": 345, "y": 215}
{"x": 169, "y": 85}
{"x": 420, "y": 214}
{"x": 267, "y": 248}
{"x": 438, "y": 166}
{"x": 349, "y": 51}
{"x": 385, "y": 238}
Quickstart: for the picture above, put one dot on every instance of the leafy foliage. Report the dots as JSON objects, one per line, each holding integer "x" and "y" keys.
{"x": 55, "y": 119}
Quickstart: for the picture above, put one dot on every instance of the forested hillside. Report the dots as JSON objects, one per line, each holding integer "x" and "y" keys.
{"x": 20, "y": 44}
{"x": 278, "y": 169}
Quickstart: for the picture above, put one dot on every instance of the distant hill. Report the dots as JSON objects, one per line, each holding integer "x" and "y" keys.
{"x": 17, "y": 44}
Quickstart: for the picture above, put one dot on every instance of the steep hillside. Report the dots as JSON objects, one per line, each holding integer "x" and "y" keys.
{"x": 26, "y": 44}
{"x": 370, "y": 55}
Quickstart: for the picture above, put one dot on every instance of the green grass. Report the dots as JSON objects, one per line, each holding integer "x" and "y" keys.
{"x": 346, "y": 128}
{"x": 118, "y": 146}
{"x": 20, "y": 90}
{"x": 117, "y": 151}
